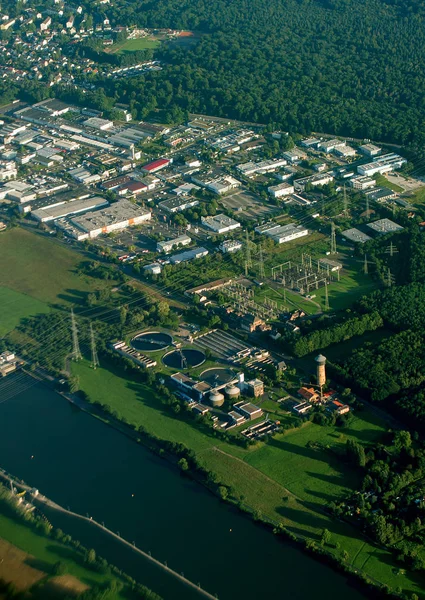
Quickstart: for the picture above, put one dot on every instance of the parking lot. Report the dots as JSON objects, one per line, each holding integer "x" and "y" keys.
{"x": 246, "y": 203}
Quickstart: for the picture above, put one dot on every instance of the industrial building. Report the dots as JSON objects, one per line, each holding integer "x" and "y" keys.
{"x": 330, "y": 145}
{"x": 355, "y": 235}
{"x": 283, "y": 189}
{"x": 361, "y": 182}
{"x": 182, "y": 240}
{"x": 188, "y": 255}
{"x": 313, "y": 180}
{"x": 384, "y": 226}
{"x": 248, "y": 410}
{"x": 97, "y": 123}
{"x": 383, "y": 164}
{"x": 218, "y": 185}
{"x": 229, "y": 246}
{"x": 153, "y": 269}
{"x": 115, "y": 217}
{"x": 157, "y": 165}
{"x": 370, "y": 150}
{"x": 282, "y": 233}
{"x": 254, "y": 387}
{"x": 220, "y": 223}
{"x": 63, "y": 209}
{"x": 179, "y": 204}
{"x": 265, "y": 166}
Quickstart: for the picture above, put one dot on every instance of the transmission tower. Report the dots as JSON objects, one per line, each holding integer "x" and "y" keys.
{"x": 391, "y": 249}
{"x": 261, "y": 263}
{"x": 94, "y": 357}
{"x": 367, "y": 208}
{"x": 248, "y": 261}
{"x": 390, "y": 278}
{"x": 333, "y": 238}
{"x": 76, "y": 354}
{"x": 326, "y": 297}
{"x": 345, "y": 202}
{"x": 365, "y": 268}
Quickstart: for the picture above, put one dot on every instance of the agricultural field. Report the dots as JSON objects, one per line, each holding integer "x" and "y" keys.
{"x": 15, "y": 307}
{"x": 42, "y": 268}
{"x": 129, "y": 46}
{"x": 28, "y": 557}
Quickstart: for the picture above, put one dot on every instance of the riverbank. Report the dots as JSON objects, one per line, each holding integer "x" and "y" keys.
{"x": 41, "y": 500}
{"x": 81, "y": 464}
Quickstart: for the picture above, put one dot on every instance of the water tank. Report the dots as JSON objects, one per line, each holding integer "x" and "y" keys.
{"x": 233, "y": 392}
{"x": 216, "y": 399}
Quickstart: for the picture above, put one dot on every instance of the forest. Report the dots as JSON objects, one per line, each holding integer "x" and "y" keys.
{"x": 353, "y": 68}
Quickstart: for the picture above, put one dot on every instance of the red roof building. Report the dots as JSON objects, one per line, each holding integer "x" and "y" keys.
{"x": 156, "y": 165}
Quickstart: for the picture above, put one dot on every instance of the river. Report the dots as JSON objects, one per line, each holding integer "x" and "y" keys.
{"x": 81, "y": 463}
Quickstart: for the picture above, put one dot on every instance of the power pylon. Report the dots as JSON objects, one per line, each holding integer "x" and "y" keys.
{"x": 333, "y": 238}
{"x": 345, "y": 202}
{"x": 326, "y": 297}
{"x": 390, "y": 278}
{"x": 248, "y": 261}
{"x": 367, "y": 208}
{"x": 391, "y": 249}
{"x": 94, "y": 357}
{"x": 76, "y": 354}
{"x": 261, "y": 263}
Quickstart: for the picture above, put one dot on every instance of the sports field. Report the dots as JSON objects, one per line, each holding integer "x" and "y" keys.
{"x": 15, "y": 306}
{"x": 42, "y": 268}
{"x": 134, "y": 45}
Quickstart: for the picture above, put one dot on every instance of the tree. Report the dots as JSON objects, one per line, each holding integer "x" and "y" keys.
{"x": 223, "y": 492}
{"x": 326, "y": 536}
{"x": 91, "y": 556}
{"x": 345, "y": 556}
{"x": 402, "y": 441}
{"x": 59, "y": 568}
{"x": 183, "y": 464}
{"x": 355, "y": 453}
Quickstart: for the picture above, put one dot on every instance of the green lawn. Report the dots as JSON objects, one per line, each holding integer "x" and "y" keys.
{"x": 42, "y": 268}
{"x": 287, "y": 480}
{"x": 134, "y": 45}
{"x": 50, "y": 551}
{"x": 342, "y": 294}
{"x": 15, "y": 306}
{"x": 384, "y": 182}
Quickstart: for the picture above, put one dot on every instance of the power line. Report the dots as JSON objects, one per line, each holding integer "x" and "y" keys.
{"x": 94, "y": 357}
{"x": 333, "y": 238}
{"x": 76, "y": 354}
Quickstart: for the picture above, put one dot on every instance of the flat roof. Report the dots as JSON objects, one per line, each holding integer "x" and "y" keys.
{"x": 68, "y": 208}
{"x": 355, "y": 235}
{"x": 118, "y": 212}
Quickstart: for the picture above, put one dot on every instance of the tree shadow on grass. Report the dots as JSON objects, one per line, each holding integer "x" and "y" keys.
{"x": 39, "y": 564}
{"x": 327, "y": 497}
{"x": 73, "y": 296}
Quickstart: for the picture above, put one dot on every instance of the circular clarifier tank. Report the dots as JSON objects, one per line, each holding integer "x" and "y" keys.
{"x": 151, "y": 341}
{"x": 184, "y": 359}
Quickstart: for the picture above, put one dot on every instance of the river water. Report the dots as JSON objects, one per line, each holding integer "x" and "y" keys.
{"x": 83, "y": 464}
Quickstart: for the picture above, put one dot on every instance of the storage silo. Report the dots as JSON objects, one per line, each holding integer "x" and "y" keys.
{"x": 232, "y": 392}
{"x": 216, "y": 399}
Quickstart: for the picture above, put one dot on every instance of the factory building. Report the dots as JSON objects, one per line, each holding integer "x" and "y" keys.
{"x": 229, "y": 246}
{"x": 383, "y": 164}
{"x": 63, "y": 209}
{"x": 116, "y": 217}
{"x": 156, "y": 165}
{"x": 182, "y": 240}
{"x": 283, "y": 189}
{"x": 282, "y": 233}
{"x": 188, "y": 255}
{"x": 179, "y": 204}
{"x": 220, "y": 223}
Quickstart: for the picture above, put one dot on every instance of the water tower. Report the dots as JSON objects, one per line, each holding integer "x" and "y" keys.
{"x": 321, "y": 371}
